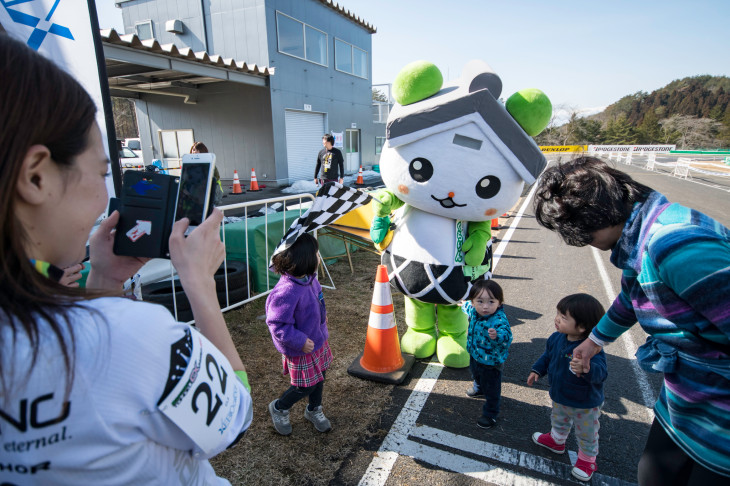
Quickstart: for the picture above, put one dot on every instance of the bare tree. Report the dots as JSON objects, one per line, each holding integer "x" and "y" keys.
{"x": 693, "y": 132}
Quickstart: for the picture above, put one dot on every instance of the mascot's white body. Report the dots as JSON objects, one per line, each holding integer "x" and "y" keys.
{"x": 451, "y": 163}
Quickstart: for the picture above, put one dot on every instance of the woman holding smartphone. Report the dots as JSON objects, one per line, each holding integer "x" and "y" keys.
{"x": 96, "y": 388}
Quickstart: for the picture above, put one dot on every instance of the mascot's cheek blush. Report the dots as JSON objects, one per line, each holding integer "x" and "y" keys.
{"x": 490, "y": 212}
{"x": 402, "y": 189}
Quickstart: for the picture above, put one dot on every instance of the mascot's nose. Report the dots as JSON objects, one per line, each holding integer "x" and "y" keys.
{"x": 451, "y": 194}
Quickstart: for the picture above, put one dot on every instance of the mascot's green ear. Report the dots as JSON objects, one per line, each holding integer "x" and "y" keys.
{"x": 417, "y": 81}
{"x": 531, "y": 108}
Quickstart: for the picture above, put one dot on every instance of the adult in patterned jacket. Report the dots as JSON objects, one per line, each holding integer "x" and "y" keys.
{"x": 97, "y": 388}
{"x": 675, "y": 283}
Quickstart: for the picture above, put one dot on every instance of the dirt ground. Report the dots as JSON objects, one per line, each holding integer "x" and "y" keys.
{"x": 263, "y": 457}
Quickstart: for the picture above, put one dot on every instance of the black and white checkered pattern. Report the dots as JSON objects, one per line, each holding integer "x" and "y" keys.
{"x": 333, "y": 200}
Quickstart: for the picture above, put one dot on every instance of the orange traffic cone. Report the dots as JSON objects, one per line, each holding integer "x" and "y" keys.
{"x": 236, "y": 183}
{"x": 495, "y": 224}
{"x": 360, "y": 181}
{"x": 382, "y": 359}
{"x": 254, "y": 183}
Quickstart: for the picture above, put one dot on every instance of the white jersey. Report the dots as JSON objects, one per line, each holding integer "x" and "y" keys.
{"x": 151, "y": 401}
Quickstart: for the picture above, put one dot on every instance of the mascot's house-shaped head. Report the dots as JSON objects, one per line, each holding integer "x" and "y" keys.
{"x": 457, "y": 151}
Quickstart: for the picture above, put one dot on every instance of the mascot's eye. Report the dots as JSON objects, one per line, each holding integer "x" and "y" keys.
{"x": 488, "y": 187}
{"x": 420, "y": 169}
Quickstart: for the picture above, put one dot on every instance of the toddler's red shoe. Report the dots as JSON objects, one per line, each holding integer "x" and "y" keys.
{"x": 584, "y": 470}
{"x": 547, "y": 441}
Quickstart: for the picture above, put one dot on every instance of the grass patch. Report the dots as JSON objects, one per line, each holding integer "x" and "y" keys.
{"x": 353, "y": 406}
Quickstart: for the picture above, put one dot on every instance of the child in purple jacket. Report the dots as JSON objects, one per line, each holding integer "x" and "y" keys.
{"x": 297, "y": 320}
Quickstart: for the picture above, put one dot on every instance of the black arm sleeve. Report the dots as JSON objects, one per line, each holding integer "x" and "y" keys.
{"x": 319, "y": 164}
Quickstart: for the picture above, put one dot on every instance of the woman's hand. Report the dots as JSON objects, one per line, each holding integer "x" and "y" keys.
{"x": 308, "y": 346}
{"x": 71, "y": 275}
{"x": 532, "y": 378}
{"x": 109, "y": 271}
{"x": 197, "y": 256}
{"x": 196, "y": 259}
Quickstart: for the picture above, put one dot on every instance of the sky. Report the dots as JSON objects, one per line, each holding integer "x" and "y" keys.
{"x": 583, "y": 54}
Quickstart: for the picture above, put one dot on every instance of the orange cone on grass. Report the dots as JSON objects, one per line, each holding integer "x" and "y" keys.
{"x": 254, "y": 182}
{"x": 360, "y": 181}
{"x": 382, "y": 359}
{"x": 236, "y": 183}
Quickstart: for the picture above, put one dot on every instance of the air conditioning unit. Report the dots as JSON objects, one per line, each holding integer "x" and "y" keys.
{"x": 174, "y": 26}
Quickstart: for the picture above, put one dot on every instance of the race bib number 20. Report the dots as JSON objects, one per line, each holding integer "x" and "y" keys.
{"x": 206, "y": 399}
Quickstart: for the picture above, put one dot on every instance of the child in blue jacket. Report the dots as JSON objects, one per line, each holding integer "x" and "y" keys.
{"x": 576, "y": 399}
{"x": 487, "y": 342}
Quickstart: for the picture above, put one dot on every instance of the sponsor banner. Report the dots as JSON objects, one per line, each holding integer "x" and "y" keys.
{"x": 63, "y": 31}
{"x": 562, "y": 148}
{"x": 631, "y": 148}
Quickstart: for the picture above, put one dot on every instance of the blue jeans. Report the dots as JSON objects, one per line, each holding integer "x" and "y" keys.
{"x": 488, "y": 379}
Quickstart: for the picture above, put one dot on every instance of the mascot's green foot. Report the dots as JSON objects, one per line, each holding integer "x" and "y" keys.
{"x": 451, "y": 352}
{"x": 421, "y": 344}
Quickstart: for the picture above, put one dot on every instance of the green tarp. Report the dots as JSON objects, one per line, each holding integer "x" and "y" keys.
{"x": 264, "y": 233}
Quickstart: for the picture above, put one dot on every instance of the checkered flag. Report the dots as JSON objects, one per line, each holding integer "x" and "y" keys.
{"x": 333, "y": 200}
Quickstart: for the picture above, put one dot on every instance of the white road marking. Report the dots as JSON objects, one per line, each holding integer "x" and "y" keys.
{"x": 503, "y": 243}
{"x": 494, "y": 452}
{"x": 381, "y": 465}
{"x": 647, "y": 395}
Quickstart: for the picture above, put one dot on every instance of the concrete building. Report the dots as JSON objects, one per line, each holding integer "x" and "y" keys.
{"x": 258, "y": 81}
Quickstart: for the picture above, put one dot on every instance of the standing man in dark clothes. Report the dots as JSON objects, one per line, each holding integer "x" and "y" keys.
{"x": 331, "y": 161}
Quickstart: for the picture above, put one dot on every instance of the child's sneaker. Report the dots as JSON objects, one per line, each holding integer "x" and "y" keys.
{"x": 584, "y": 470}
{"x": 474, "y": 393}
{"x": 486, "y": 422}
{"x": 317, "y": 417}
{"x": 280, "y": 419}
{"x": 547, "y": 441}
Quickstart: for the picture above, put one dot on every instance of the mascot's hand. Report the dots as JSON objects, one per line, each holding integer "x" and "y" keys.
{"x": 475, "y": 247}
{"x": 379, "y": 228}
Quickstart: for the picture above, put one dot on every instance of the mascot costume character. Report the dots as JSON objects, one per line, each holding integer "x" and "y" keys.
{"x": 455, "y": 158}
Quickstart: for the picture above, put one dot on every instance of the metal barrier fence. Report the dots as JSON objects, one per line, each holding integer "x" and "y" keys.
{"x": 226, "y": 300}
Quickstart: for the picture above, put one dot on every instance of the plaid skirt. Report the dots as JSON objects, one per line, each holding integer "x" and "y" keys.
{"x": 307, "y": 370}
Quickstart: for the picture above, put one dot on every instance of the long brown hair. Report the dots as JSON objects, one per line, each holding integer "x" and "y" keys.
{"x": 39, "y": 104}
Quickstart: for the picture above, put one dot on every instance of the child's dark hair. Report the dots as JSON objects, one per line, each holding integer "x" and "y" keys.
{"x": 584, "y": 195}
{"x": 584, "y": 308}
{"x": 299, "y": 259}
{"x": 492, "y": 287}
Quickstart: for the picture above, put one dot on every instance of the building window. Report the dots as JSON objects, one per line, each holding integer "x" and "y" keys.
{"x": 300, "y": 40}
{"x": 379, "y": 142}
{"x": 351, "y": 59}
{"x": 144, "y": 30}
{"x": 175, "y": 143}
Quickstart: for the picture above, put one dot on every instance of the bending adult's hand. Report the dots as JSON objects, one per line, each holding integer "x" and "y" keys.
{"x": 109, "y": 271}
{"x": 584, "y": 352}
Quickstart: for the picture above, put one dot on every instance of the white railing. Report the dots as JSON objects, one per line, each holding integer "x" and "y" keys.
{"x": 299, "y": 202}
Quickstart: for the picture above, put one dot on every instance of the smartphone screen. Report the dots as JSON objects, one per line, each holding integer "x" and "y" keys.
{"x": 192, "y": 198}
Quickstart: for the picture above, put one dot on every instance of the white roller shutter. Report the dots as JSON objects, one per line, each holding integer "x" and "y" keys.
{"x": 304, "y": 132}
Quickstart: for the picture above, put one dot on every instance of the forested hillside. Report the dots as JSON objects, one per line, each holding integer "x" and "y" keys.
{"x": 691, "y": 112}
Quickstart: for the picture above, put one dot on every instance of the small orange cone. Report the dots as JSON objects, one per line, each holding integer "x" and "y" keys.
{"x": 360, "y": 181}
{"x": 495, "y": 224}
{"x": 236, "y": 183}
{"x": 254, "y": 183}
{"x": 382, "y": 359}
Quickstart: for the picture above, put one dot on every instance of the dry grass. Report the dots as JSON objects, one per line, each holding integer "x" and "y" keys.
{"x": 264, "y": 457}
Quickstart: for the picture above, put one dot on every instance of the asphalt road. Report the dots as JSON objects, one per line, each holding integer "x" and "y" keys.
{"x": 432, "y": 434}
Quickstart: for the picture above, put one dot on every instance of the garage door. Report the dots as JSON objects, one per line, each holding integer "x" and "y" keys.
{"x": 304, "y": 132}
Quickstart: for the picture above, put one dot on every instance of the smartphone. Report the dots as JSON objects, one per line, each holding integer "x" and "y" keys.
{"x": 193, "y": 195}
